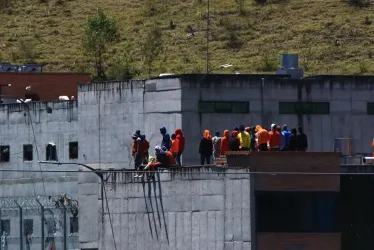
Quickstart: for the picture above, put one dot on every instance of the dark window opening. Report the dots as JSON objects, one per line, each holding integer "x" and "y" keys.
{"x": 73, "y": 150}
{"x": 27, "y": 152}
{"x": 51, "y": 152}
{"x": 74, "y": 227}
{"x": 223, "y": 107}
{"x": 4, "y": 153}
{"x": 28, "y": 226}
{"x": 5, "y": 227}
{"x": 304, "y": 108}
{"x": 294, "y": 212}
{"x": 370, "y": 108}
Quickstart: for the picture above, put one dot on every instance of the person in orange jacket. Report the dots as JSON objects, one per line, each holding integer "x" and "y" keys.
{"x": 225, "y": 143}
{"x": 181, "y": 143}
{"x": 262, "y": 138}
{"x": 274, "y": 138}
{"x": 174, "y": 145}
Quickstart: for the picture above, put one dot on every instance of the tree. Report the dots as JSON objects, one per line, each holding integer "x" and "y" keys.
{"x": 152, "y": 47}
{"x": 100, "y": 32}
{"x": 122, "y": 66}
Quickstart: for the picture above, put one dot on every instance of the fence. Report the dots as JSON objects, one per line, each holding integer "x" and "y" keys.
{"x": 34, "y": 223}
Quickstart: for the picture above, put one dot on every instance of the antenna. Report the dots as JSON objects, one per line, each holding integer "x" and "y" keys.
{"x": 207, "y": 36}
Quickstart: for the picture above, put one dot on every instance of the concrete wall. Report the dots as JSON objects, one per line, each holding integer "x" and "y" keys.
{"x": 197, "y": 209}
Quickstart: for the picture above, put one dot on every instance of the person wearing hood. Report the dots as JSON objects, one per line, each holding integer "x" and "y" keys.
{"x": 216, "y": 145}
{"x": 225, "y": 142}
{"x": 302, "y": 140}
{"x": 292, "y": 142}
{"x": 234, "y": 141}
{"x": 137, "y": 151}
{"x": 236, "y": 128}
{"x": 181, "y": 145}
{"x": 285, "y": 138}
{"x": 161, "y": 156}
{"x": 274, "y": 139}
{"x": 262, "y": 138}
{"x": 165, "y": 138}
{"x": 206, "y": 148}
{"x": 151, "y": 166}
{"x": 244, "y": 139}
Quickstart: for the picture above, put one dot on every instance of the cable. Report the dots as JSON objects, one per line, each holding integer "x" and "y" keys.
{"x": 176, "y": 172}
{"x": 110, "y": 217}
{"x": 36, "y": 147}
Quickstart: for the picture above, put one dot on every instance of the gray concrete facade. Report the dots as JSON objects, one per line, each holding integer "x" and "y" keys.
{"x": 197, "y": 209}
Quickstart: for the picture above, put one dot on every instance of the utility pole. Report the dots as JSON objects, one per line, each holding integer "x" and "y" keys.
{"x": 207, "y": 36}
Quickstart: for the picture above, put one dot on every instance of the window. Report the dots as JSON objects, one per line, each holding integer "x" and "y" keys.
{"x": 293, "y": 212}
{"x": 4, "y": 153}
{"x": 74, "y": 225}
{"x": 5, "y": 226}
{"x": 51, "y": 152}
{"x": 28, "y": 226}
{"x": 27, "y": 152}
{"x": 370, "y": 108}
{"x": 223, "y": 107}
{"x": 304, "y": 108}
{"x": 73, "y": 150}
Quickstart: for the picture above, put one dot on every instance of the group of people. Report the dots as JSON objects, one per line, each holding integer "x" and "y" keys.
{"x": 167, "y": 154}
{"x": 252, "y": 139}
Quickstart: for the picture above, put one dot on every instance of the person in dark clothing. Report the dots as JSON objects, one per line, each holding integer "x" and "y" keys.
{"x": 292, "y": 143}
{"x": 31, "y": 94}
{"x": 253, "y": 139}
{"x": 166, "y": 141}
{"x": 161, "y": 156}
{"x": 206, "y": 148}
{"x": 234, "y": 142}
{"x": 302, "y": 140}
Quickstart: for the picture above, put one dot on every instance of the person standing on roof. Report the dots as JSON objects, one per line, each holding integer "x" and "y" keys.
{"x": 216, "y": 145}
{"x": 274, "y": 138}
{"x": 292, "y": 142}
{"x": 252, "y": 133}
{"x": 262, "y": 138}
{"x": 225, "y": 142}
{"x": 244, "y": 139}
{"x": 166, "y": 142}
{"x": 136, "y": 149}
{"x": 174, "y": 145}
{"x": 285, "y": 138}
{"x": 302, "y": 140}
{"x": 206, "y": 148}
{"x": 181, "y": 145}
{"x": 234, "y": 141}
{"x": 145, "y": 149}
{"x": 236, "y": 128}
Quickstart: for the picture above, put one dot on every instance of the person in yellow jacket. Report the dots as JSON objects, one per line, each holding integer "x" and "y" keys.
{"x": 244, "y": 139}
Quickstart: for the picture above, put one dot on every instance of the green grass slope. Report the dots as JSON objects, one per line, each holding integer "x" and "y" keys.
{"x": 330, "y": 36}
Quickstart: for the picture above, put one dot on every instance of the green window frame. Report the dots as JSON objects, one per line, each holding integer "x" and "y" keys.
{"x": 370, "y": 108}
{"x": 223, "y": 107}
{"x": 304, "y": 108}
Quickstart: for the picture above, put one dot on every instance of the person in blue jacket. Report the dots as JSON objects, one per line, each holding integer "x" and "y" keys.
{"x": 166, "y": 141}
{"x": 285, "y": 139}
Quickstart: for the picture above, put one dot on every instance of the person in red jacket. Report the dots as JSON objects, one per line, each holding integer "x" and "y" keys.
{"x": 225, "y": 146}
{"x": 181, "y": 144}
{"x": 274, "y": 138}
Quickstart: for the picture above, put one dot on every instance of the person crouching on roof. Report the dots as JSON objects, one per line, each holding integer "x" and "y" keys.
{"x": 170, "y": 157}
{"x": 152, "y": 166}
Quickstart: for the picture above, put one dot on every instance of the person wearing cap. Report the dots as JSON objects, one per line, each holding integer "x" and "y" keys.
{"x": 274, "y": 138}
{"x": 244, "y": 139}
{"x": 285, "y": 138}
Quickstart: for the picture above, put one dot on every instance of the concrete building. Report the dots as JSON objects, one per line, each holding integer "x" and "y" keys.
{"x": 108, "y": 113}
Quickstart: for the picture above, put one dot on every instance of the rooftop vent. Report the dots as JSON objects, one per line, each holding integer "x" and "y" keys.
{"x": 289, "y": 65}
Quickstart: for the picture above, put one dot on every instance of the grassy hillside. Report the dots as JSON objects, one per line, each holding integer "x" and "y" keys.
{"x": 330, "y": 35}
